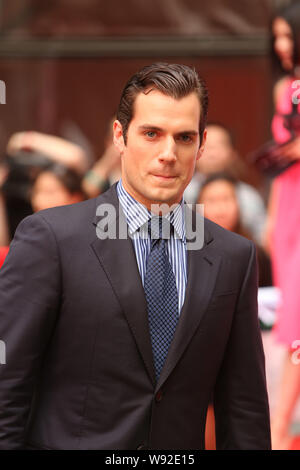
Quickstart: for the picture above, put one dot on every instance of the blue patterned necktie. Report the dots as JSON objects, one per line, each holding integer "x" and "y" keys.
{"x": 161, "y": 293}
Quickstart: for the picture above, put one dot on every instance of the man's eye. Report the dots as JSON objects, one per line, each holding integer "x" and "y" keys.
{"x": 185, "y": 138}
{"x": 151, "y": 134}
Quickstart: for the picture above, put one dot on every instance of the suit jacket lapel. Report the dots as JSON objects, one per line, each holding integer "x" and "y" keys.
{"x": 118, "y": 260}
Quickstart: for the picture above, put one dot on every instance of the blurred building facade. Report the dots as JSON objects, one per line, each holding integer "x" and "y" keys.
{"x": 64, "y": 62}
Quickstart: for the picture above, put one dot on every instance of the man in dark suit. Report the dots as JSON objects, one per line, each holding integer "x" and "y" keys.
{"x": 120, "y": 339}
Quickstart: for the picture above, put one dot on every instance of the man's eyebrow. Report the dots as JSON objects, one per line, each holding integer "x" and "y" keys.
{"x": 156, "y": 128}
{"x": 150, "y": 126}
{"x": 190, "y": 132}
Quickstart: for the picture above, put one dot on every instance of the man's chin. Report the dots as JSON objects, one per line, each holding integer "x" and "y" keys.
{"x": 164, "y": 196}
{"x": 150, "y": 194}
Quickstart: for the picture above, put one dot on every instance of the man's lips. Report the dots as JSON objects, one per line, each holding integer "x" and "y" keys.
{"x": 166, "y": 177}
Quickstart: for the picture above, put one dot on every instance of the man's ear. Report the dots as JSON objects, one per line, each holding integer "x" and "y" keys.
{"x": 118, "y": 136}
{"x": 201, "y": 148}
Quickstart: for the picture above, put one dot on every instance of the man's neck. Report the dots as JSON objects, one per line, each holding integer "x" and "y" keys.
{"x": 155, "y": 207}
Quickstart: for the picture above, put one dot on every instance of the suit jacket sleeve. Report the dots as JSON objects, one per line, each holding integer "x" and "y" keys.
{"x": 29, "y": 296}
{"x": 240, "y": 399}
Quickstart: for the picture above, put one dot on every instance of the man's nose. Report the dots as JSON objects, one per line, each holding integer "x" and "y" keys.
{"x": 168, "y": 151}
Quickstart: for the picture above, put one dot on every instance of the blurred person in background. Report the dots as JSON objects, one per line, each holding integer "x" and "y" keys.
{"x": 4, "y": 232}
{"x": 26, "y": 154}
{"x": 14, "y": 202}
{"x": 51, "y": 186}
{"x": 219, "y": 195}
{"x": 106, "y": 170}
{"x": 283, "y": 223}
{"x": 55, "y": 148}
{"x": 220, "y": 155}
{"x": 56, "y": 186}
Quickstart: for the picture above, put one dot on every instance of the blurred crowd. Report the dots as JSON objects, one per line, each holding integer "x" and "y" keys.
{"x": 41, "y": 171}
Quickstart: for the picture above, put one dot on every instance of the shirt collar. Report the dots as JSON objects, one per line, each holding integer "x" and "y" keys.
{"x": 137, "y": 215}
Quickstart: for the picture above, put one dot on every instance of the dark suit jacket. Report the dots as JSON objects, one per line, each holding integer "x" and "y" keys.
{"x": 79, "y": 371}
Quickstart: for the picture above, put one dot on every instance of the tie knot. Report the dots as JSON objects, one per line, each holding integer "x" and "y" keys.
{"x": 159, "y": 228}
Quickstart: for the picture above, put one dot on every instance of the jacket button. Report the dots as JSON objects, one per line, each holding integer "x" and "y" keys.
{"x": 158, "y": 396}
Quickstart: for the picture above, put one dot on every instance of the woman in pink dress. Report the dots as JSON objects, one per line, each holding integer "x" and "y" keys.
{"x": 284, "y": 218}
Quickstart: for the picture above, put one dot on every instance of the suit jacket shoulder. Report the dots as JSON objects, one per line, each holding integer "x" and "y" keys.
{"x": 226, "y": 239}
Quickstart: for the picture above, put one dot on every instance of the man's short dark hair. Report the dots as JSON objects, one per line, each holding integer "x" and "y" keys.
{"x": 174, "y": 80}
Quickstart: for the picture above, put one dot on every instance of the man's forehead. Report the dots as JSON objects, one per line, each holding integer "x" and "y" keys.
{"x": 157, "y": 104}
